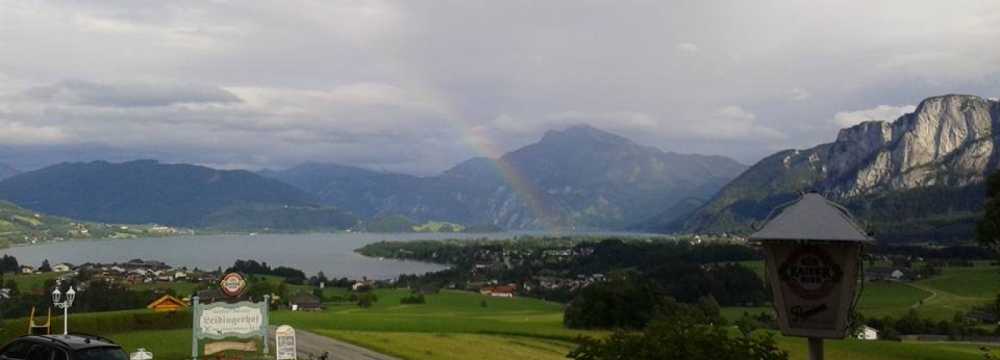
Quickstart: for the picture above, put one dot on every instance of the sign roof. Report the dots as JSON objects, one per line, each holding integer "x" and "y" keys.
{"x": 812, "y": 217}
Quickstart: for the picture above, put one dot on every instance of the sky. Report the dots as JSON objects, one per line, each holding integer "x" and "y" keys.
{"x": 418, "y": 86}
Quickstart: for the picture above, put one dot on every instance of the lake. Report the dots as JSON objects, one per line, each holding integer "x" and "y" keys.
{"x": 333, "y": 254}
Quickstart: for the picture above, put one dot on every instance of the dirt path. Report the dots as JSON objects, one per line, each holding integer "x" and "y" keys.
{"x": 933, "y": 292}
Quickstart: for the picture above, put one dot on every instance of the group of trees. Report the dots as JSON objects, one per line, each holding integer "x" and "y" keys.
{"x": 628, "y": 302}
{"x": 292, "y": 275}
{"x": 684, "y": 271}
{"x": 958, "y": 328}
{"x": 9, "y": 264}
{"x": 320, "y": 278}
{"x": 988, "y": 227}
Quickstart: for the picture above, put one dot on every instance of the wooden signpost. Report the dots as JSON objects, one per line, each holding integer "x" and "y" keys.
{"x": 230, "y": 326}
{"x": 813, "y": 248}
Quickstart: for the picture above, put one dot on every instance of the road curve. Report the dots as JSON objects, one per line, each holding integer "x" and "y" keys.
{"x": 312, "y": 346}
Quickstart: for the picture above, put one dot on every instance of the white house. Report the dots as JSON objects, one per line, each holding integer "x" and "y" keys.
{"x": 27, "y": 269}
{"x": 361, "y": 285}
{"x": 63, "y": 267}
{"x": 897, "y": 274}
{"x": 867, "y": 333}
{"x": 180, "y": 275}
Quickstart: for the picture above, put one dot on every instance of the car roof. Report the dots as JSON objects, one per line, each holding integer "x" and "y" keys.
{"x": 73, "y": 341}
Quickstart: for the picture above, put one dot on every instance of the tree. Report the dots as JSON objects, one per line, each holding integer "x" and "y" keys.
{"x": 9, "y": 264}
{"x": 626, "y": 300}
{"x": 45, "y": 266}
{"x": 679, "y": 337}
{"x": 988, "y": 227}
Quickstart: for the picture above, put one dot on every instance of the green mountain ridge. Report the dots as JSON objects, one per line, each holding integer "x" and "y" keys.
{"x": 22, "y": 226}
{"x": 146, "y": 191}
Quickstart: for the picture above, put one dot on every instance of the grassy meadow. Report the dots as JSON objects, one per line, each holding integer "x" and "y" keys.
{"x": 454, "y": 325}
{"x": 939, "y": 298}
{"x": 451, "y": 325}
{"x": 466, "y": 325}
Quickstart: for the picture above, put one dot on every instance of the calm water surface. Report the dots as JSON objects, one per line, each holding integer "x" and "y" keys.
{"x": 333, "y": 254}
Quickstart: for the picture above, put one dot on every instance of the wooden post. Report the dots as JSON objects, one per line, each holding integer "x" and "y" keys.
{"x": 265, "y": 326}
{"x": 196, "y": 313}
{"x": 815, "y": 349}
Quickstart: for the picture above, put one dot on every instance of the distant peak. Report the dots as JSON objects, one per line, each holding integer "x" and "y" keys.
{"x": 584, "y": 132}
{"x": 949, "y": 100}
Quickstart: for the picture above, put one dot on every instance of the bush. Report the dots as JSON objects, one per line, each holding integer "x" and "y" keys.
{"x": 626, "y": 300}
{"x": 366, "y": 299}
{"x": 413, "y": 298}
{"x": 679, "y": 337}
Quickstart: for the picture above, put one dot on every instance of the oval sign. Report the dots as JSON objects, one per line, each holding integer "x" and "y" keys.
{"x": 233, "y": 284}
{"x": 810, "y": 272}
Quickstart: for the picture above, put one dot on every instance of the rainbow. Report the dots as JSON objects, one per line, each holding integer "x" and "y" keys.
{"x": 526, "y": 190}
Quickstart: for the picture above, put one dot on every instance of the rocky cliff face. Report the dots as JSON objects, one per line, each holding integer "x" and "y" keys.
{"x": 947, "y": 142}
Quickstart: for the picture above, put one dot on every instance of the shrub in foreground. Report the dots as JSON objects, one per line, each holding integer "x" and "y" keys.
{"x": 679, "y": 338}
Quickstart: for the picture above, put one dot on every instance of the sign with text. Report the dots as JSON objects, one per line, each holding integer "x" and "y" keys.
{"x": 227, "y": 322}
{"x": 221, "y": 320}
{"x": 284, "y": 343}
{"x": 816, "y": 286}
{"x": 233, "y": 285}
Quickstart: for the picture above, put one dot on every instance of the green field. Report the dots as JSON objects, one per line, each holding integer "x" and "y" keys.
{"x": 453, "y": 325}
{"x": 885, "y": 350}
{"x": 456, "y": 325}
{"x": 27, "y": 282}
{"x": 455, "y": 346}
{"x": 956, "y": 289}
{"x": 446, "y": 312}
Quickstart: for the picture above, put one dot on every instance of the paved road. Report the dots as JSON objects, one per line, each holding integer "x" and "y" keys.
{"x": 311, "y": 346}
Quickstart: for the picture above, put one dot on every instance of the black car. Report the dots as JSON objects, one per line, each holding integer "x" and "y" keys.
{"x": 62, "y": 347}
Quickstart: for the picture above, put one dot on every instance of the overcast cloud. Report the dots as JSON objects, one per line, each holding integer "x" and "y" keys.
{"x": 417, "y": 86}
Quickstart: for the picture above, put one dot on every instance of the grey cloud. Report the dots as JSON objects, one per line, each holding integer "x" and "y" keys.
{"x": 417, "y": 86}
{"x": 129, "y": 94}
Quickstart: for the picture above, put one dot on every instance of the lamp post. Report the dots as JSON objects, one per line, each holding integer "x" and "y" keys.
{"x": 812, "y": 252}
{"x": 65, "y": 305}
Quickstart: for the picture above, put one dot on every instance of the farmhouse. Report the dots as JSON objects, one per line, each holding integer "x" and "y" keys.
{"x": 867, "y": 333}
{"x": 63, "y": 267}
{"x": 167, "y": 303}
{"x": 886, "y": 274}
{"x": 305, "y": 302}
{"x": 499, "y": 291}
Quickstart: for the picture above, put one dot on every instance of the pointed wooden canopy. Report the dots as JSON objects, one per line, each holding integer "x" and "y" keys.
{"x": 167, "y": 303}
{"x": 812, "y": 217}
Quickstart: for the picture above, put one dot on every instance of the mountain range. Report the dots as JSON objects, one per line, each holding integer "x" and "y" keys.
{"x": 919, "y": 177}
{"x": 147, "y": 191}
{"x": 580, "y": 177}
{"x": 7, "y": 171}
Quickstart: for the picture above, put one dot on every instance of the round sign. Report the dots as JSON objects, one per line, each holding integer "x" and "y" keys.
{"x": 233, "y": 284}
{"x": 810, "y": 272}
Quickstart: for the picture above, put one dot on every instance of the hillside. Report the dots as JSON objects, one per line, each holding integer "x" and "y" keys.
{"x": 916, "y": 178}
{"x": 7, "y": 171}
{"x": 21, "y": 226}
{"x": 580, "y": 177}
{"x": 150, "y": 192}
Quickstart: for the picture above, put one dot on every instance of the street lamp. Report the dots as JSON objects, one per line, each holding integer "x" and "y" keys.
{"x": 812, "y": 252}
{"x": 65, "y": 305}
